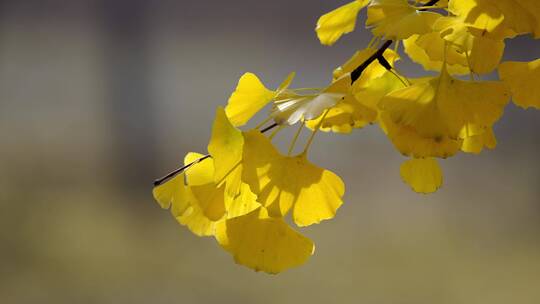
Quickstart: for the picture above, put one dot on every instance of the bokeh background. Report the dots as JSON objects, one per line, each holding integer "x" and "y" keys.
{"x": 97, "y": 98}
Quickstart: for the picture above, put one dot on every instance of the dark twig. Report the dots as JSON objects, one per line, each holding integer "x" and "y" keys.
{"x": 270, "y": 127}
{"x": 377, "y": 55}
{"x": 430, "y": 3}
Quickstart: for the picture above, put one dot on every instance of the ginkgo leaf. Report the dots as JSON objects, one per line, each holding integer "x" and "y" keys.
{"x": 283, "y": 182}
{"x": 484, "y": 53}
{"x": 397, "y": 19}
{"x": 446, "y": 106}
{"x": 172, "y": 192}
{"x": 479, "y": 14}
{"x": 523, "y": 79}
{"x": 225, "y": 146}
{"x": 249, "y": 98}
{"x": 331, "y": 26}
{"x": 185, "y": 207}
{"x": 263, "y": 243}
{"x": 243, "y": 203}
{"x": 501, "y": 18}
{"x": 205, "y": 193}
{"x": 295, "y": 107}
{"x": 442, "y": 109}
{"x": 301, "y": 107}
{"x": 476, "y": 143}
{"x": 407, "y": 140}
{"x": 210, "y": 199}
{"x": 194, "y": 218}
{"x": 346, "y": 115}
{"x": 411, "y": 143}
{"x": 423, "y": 175}
{"x": 416, "y": 107}
{"x": 470, "y": 103}
{"x": 370, "y": 94}
{"x": 427, "y": 54}
{"x": 533, "y": 8}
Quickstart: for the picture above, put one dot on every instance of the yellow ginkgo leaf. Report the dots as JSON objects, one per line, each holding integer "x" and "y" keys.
{"x": 465, "y": 104}
{"x": 184, "y": 205}
{"x": 293, "y": 107}
{"x": 172, "y": 192}
{"x": 416, "y": 107}
{"x": 438, "y": 50}
{"x": 446, "y": 106}
{"x": 224, "y": 194}
{"x": 346, "y": 115}
{"x": 434, "y": 44}
{"x": 263, "y": 243}
{"x": 249, "y": 98}
{"x": 178, "y": 196}
{"x": 194, "y": 218}
{"x": 484, "y": 53}
{"x": 476, "y": 143}
{"x": 423, "y": 175}
{"x": 192, "y": 212}
{"x": 206, "y": 194}
{"x": 283, "y": 182}
{"x": 442, "y": 109}
{"x": 499, "y": 19}
{"x": 225, "y": 146}
{"x": 243, "y": 203}
{"x": 410, "y": 143}
{"x": 331, "y": 26}
{"x": 533, "y": 8}
{"x": 210, "y": 199}
{"x": 479, "y": 14}
{"x": 523, "y": 79}
{"x": 370, "y": 94}
{"x": 397, "y": 19}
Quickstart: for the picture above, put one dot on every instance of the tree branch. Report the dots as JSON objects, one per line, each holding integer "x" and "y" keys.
{"x": 356, "y": 73}
{"x": 430, "y": 3}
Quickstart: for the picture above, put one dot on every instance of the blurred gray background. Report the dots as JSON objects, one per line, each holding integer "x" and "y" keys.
{"x": 97, "y": 98}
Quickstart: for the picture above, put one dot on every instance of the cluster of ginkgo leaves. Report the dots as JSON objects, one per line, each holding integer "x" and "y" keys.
{"x": 243, "y": 189}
